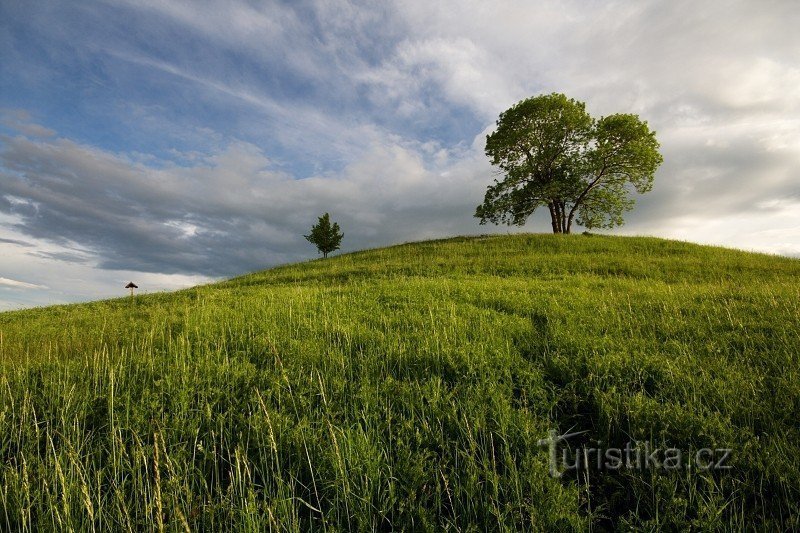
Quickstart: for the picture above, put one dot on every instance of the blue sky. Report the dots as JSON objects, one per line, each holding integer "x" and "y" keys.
{"x": 178, "y": 142}
{"x": 154, "y": 80}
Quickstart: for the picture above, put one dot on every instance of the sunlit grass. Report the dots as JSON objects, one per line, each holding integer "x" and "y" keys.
{"x": 407, "y": 388}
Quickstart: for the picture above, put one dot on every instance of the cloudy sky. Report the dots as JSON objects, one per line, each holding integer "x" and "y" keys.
{"x": 173, "y": 142}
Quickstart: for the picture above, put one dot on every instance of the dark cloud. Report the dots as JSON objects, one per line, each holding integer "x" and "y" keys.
{"x": 233, "y": 214}
{"x": 66, "y": 257}
{"x": 15, "y": 241}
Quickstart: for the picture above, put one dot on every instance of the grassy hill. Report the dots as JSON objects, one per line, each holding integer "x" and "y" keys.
{"x": 408, "y": 388}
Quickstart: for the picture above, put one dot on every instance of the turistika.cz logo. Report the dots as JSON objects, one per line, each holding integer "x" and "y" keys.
{"x": 633, "y": 456}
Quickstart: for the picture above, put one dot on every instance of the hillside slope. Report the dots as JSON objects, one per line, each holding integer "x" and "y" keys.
{"x": 408, "y": 388}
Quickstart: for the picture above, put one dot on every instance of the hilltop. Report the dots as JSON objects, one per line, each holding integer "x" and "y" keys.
{"x": 409, "y": 388}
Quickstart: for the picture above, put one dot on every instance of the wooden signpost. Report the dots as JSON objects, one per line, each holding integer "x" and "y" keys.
{"x": 131, "y": 286}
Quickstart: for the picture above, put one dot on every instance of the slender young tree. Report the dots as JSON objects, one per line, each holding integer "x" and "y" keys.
{"x": 552, "y": 153}
{"x": 325, "y": 236}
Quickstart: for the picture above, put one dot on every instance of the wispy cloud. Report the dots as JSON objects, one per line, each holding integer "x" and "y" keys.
{"x": 15, "y": 284}
{"x": 16, "y": 242}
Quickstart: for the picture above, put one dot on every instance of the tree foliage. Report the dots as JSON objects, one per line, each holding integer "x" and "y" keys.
{"x": 325, "y": 236}
{"x": 552, "y": 153}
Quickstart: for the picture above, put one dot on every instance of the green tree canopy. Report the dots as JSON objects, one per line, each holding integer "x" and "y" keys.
{"x": 325, "y": 236}
{"x": 552, "y": 153}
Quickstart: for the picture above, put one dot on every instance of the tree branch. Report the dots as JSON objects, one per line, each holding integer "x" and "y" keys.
{"x": 583, "y": 194}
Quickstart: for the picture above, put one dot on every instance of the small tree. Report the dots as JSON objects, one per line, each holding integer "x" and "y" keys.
{"x": 325, "y": 236}
{"x": 552, "y": 153}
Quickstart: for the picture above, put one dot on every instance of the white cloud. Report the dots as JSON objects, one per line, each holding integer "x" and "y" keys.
{"x": 15, "y": 284}
{"x": 231, "y": 210}
{"x": 462, "y": 72}
{"x": 20, "y": 120}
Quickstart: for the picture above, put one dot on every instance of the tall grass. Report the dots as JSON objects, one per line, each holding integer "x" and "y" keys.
{"x": 407, "y": 388}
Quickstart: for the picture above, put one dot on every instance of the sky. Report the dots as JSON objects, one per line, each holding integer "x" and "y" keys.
{"x": 175, "y": 142}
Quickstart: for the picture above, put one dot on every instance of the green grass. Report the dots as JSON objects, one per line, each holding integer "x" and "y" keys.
{"x": 407, "y": 388}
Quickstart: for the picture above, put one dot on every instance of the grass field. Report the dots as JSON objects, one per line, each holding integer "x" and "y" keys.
{"x": 408, "y": 388}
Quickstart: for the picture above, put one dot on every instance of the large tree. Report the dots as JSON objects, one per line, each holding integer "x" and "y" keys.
{"x": 325, "y": 236}
{"x": 552, "y": 153}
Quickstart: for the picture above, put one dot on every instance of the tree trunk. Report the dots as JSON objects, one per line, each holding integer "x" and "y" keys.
{"x": 560, "y": 219}
{"x": 554, "y": 217}
{"x": 560, "y": 213}
{"x": 324, "y": 255}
